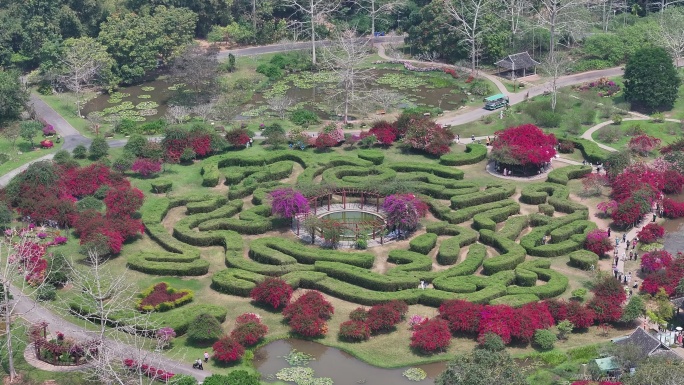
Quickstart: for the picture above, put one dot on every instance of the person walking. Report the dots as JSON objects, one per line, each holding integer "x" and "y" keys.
{"x": 206, "y": 357}
{"x": 609, "y": 232}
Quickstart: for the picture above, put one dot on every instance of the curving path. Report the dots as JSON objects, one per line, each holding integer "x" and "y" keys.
{"x": 34, "y": 312}
{"x": 588, "y": 133}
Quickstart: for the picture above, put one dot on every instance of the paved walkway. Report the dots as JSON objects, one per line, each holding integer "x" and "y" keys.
{"x": 589, "y": 133}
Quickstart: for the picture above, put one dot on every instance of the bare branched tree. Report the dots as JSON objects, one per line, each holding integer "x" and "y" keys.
{"x": 670, "y": 32}
{"x": 377, "y": 8}
{"x": 607, "y": 10}
{"x": 204, "y": 111}
{"x": 560, "y": 16}
{"x": 466, "y": 16}
{"x": 386, "y": 99}
{"x": 555, "y": 66}
{"x": 11, "y": 133}
{"x": 177, "y": 114}
{"x": 280, "y": 104}
{"x": 197, "y": 68}
{"x": 15, "y": 291}
{"x": 513, "y": 11}
{"x": 428, "y": 56}
{"x": 344, "y": 58}
{"x": 316, "y": 12}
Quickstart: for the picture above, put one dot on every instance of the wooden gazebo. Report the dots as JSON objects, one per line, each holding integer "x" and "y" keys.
{"x": 516, "y": 62}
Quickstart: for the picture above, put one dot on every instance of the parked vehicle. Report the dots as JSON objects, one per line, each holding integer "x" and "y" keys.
{"x": 495, "y": 101}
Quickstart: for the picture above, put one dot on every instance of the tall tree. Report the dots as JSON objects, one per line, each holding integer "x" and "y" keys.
{"x": 197, "y": 67}
{"x": 315, "y": 13}
{"x": 466, "y": 17}
{"x": 13, "y": 96}
{"x": 209, "y": 12}
{"x": 670, "y": 32}
{"x": 344, "y": 58}
{"x": 139, "y": 42}
{"x": 651, "y": 79}
{"x": 555, "y": 65}
{"x": 83, "y": 62}
{"x": 377, "y": 8}
{"x": 560, "y": 16}
{"x": 482, "y": 367}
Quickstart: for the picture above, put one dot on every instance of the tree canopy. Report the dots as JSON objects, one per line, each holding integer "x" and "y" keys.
{"x": 651, "y": 79}
{"x": 13, "y": 96}
{"x": 525, "y": 145}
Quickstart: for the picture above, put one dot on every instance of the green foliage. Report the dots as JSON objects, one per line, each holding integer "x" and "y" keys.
{"x": 161, "y": 186}
{"x": 564, "y": 174}
{"x": 303, "y": 117}
{"x": 13, "y": 95}
{"x": 564, "y": 327}
{"x": 271, "y": 71}
{"x": 617, "y": 162}
{"x": 423, "y": 243}
{"x": 545, "y": 339}
{"x": 474, "y": 153}
{"x": 375, "y": 156}
{"x": 579, "y": 294}
{"x": 28, "y": 130}
{"x": 482, "y": 367}
{"x": 99, "y": 148}
{"x": 6, "y": 215}
{"x": 135, "y": 145}
{"x": 46, "y": 293}
{"x": 634, "y": 309}
{"x": 648, "y": 87}
{"x": 89, "y": 203}
{"x": 80, "y": 152}
{"x": 205, "y": 328}
{"x": 583, "y": 259}
{"x": 183, "y": 379}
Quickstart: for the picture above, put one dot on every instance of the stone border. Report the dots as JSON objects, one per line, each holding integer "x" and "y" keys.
{"x": 490, "y": 169}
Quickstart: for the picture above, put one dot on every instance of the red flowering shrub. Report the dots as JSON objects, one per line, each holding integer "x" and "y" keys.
{"x": 567, "y": 147}
{"x": 238, "y": 137}
{"x": 227, "y": 349}
{"x": 497, "y": 319}
{"x": 529, "y": 318}
{"x": 308, "y": 324}
{"x": 272, "y": 291}
{"x": 609, "y": 288}
{"x": 162, "y": 293}
{"x": 431, "y": 335}
{"x": 311, "y": 302}
{"x": 382, "y": 318}
{"x": 46, "y": 144}
{"x": 628, "y": 213}
{"x": 354, "y": 330}
{"x": 30, "y": 255}
{"x": 424, "y": 134}
{"x": 592, "y": 184}
{"x": 324, "y": 141}
{"x": 146, "y": 167}
{"x": 385, "y": 132}
{"x": 674, "y": 182}
{"x": 525, "y": 145}
{"x": 636, "y": 177}
{"x": 174, "y": 143}
{"x": 463, "y": 316}
{"x": 358, "y": 314}
{"x": 672, "y": 208}
{"x": 248, "y": 329}
{"x": 403, "y": 211}
{"x": 123, "y": 201}
{"x": 580, "y": 316}
{"x": 558, "y": 309}
{"x": 598, "y": 242}
{"x": 605, "y": 309}
{"x": 82, "y": 181}
{"x": 400, "y": 306}
{"x": 656, "y": 260}
{"x": 643, "y": 144}
{"x": 451, "y": 72}
{"x": 651, "y": 233}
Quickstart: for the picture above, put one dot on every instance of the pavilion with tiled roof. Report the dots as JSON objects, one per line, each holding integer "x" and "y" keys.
{"x": 519, "y": 61}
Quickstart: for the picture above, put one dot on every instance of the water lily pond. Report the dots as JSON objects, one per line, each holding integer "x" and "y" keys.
{"x": 297, "y": 361}
{"x": 139, "y": 103}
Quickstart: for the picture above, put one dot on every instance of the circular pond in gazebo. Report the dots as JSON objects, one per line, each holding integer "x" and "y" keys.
{"x": 354, "y": 221}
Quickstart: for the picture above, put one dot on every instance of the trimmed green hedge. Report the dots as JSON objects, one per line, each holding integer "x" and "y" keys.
{"x": 556, "y": 283}
{"x": 524, "y": 277}
{"x": 423, "y": 243}
{"x": 409, "y": 261}
{"x": 564, "y": 174}
{"x": 591, "y": 151}
{"x": 450, "y": 248}
{"x": 514, "y": 300}
{"x": 474, "y": 153}
{"x": 354, "y": 176}
{"x": 512, "y": 254}
{"x": 161, "y": 186}
{"x": 441, "y": 171}
{"x": 491, "y": 193}
{"x": 375, "y": 156}
{"x": 285, "y": 251}
{"x": 546, "y": 209}
{"x": 210, "y": 175}
{"x": 535, "y": 194}
{"x": 489, "y": 219}
{"x": 513, "y": 227}
{"x": 583, "y": 259}
{"x": 364, "y": 277}
{"x": 445, "y": 213}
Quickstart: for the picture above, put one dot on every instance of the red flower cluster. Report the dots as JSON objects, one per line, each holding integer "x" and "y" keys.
{"x": 379, "y": 318}
{"x": 672, "y": 208}
{"x": 30, "y": 255}
{"x": 598, "y": 242}
{"x": 272, "y": 291}
{"x": 424, "y": 134}
{"x": 608, "y": 298}
{"x": 643, "y": 144}
{"x": 228, "y": 349}
{"x": 324, "y": 140}
{"x": 238, "y": 137}
{"x": 248, "y": 329}
{"x": 46, "y": 144}
{"x": 651, "y": 233}
{"x": 431, "y": 335}
{"x": 354, "y": 330}
{"x": 667, "y": 278}
{"x": 656, "y": 260}
{"x": 451, "y": 72}
{"x": 524, "y": 145}
{"x": 146, "y": 167}
{"x": 288, "y": 202}
{"x": 580, "y": 316}
{"x": 385, "y": 132}
{"x": 177, "y": 140}
{"x": 308, "y": 313}
{"x": 149, "y": 371}
{"x": 502, "y": 320}
{"x": 161, "y": 294}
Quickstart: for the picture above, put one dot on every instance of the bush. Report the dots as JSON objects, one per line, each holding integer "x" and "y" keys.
{"x": 248, "y": 329}
{"x": 652, "y": 232}
{"x": 358, "y": 314}
{"x": 311, "y": 302}
{"x": 271, "y": 71}
{"x": 46, "y": 293}
{"x": 273, "y": 292}
{"x": 354, "y": 330}
{"x": 227, "y": 349}
{"x": 431, "y": 335}
{"x": 89, "y": 203}
{"x": 303, "y": 117}
{"x": 184, "y": 379}
{"x": 161, "y": 297}
{"x": 382, "y": 317}
{"x": 474, "y": 153}
{"x": 545, "y": 339}
{"x": 204, "y": 328}
{"x": 161, "y": 186}
{"x": 374, "y": 156}
{"x": 99, "y": 148}
{"x": 80, "y": 152}
{"x": 423, "y": 243}
{"x": 583, "y": 259}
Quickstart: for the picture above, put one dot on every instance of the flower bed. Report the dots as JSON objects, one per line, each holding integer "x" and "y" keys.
{"x": 150, "y": 371}
{"x": 161, "y": 297}
{"x": 60, "y": 351}
{"x": 604, "y": 86}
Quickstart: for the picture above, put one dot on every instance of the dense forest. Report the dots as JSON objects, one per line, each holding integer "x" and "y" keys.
{"x": 135, "y": 37}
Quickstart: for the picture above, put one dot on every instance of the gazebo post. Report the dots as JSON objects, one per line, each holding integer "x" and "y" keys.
{"x": 362, "y": 200}
{"x": 377, "y": 204}
{"x": 344, "y": 199}
{"x": 329, "y": 201}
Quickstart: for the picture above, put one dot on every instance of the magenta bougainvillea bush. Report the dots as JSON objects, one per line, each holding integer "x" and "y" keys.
{"x": 525, "y": 145}
{"x": 404, "y": 211}
{"x": 598, "y": 242}
{"x": 288, "y": 202}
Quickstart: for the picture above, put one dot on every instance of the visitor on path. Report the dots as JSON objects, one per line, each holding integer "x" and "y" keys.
{"x": 206, "y": 357}
{"x": 458, "y": 138}
{"x": 198, "y": 365}
{"x": 624, "y": 237}
{"x": 609, "y": 232}
{"x": 654, "y": 217}
{"x": 472, "y": 137}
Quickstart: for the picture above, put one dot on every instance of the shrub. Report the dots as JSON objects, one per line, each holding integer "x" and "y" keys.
{"x": 303, "y": 117}
{"x": 651, "y": 233}
{"x": 311, "y": 302}
{"x": 161, "y": 186}
{"x": 431, "y": 335}
{"x": 228, "y": 349}
{"x": 46, "y": 293}
{"x": 358, "y": 314}
{"x": 205, "y": 328}
{"x": 238, "y": 137}
{"x": 248, "y": 329}
{"x": 567, "y": 147}
{"x": 184, "y": 379}
{"x": 146, "y": 167}
{"x": 80, "y": 152}
{"x": 545, "y": 339}
{"x": 492, "y": 342}
{"x": 382, "y": 318}
{"x": 161, "y": 297}
{"x": 354, "y": 330}
{"x": 308, "y": 324}
{"x": 463, "y": 316}
{"x": 272, "y": 291}
{"x": 99, "y": 148}
{"x": 135, "y": 144}
{"x": 672, "y": 208}
{"x": 598, "y": 242}
{"x": 89, "y": 203}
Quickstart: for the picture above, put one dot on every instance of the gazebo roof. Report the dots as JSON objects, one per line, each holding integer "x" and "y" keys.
{"x": 517, "y": 61}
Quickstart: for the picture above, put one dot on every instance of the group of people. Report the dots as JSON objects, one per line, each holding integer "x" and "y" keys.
{"x": 198, "y": 364}
{"x": 625, "y": 279}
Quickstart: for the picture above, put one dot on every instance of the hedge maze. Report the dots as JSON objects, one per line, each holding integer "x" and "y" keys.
{"x": 477, "y": 238}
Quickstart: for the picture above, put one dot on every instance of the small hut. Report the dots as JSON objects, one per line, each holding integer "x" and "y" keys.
{"x": 518, "y": 62}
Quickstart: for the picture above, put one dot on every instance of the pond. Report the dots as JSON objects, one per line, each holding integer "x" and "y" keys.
{"x": 674, "y": 232}
{"x": 350, "y": 220}
{"x": 333, "y": 363}
{"x": 140, "y": 103}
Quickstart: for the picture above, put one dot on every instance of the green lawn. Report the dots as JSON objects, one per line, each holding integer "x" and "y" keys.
{"x": 667, "y": 132}
{"x": 23, "y": 153}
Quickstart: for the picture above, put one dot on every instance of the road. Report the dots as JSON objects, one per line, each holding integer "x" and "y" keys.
{"x": 295, "y": 46}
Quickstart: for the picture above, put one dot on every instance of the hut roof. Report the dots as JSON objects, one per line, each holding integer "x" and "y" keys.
{"x": 517, "y": 61}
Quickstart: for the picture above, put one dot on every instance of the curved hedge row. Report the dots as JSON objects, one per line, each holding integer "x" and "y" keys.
{"x": 423, "y": 243}
{"x": 353, "y": 176}
{"x": 364, "y": 277}
{"x": 489, "y": 219}
{"x": 564, "y": 174}
{"x": 556, "y": 283}
{"x": 409, "y": 261}
{"x": 441, "y": 171}
{"x": 450, "y": 248}
{"x": 492, "y": 193}
{"x": 535, "y": 194}
{"x": 474, "y": 153}
{"x": 583, "y": 259}
{"x": 375, "y": 156}
{"x": 285, "y": 251}
{"x": 591, "y": 151}
{"x": 512, "y": 254}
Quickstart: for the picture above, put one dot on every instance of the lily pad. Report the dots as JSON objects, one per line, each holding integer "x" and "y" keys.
{"x": 144, "y": 96}
{"x": 295, "y": 374}
{"x": 146, "y": 105}
{"x": 415, "y": 374}
{"x": 147, "y": 88}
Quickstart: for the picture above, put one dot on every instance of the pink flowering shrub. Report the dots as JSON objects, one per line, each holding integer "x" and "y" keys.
{"x": 288, "y": 202}
{"x": 146, "y": 167}
{"x": 404, "y": 211}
